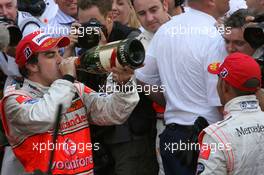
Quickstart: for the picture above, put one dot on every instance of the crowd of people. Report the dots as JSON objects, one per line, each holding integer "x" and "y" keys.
{"x": 188, "y": 121}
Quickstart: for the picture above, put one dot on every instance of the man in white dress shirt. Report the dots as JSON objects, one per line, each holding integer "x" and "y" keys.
{"x": 151, "y": 20}
{"x": 177, "y": 58}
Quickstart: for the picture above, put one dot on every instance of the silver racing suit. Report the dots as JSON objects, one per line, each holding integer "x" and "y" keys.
{"x": 29, "y": 114}
{"x": 234, "y": 145}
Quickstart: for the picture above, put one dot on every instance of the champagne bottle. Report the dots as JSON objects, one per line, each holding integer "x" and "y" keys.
{"x": 100, "y": 59}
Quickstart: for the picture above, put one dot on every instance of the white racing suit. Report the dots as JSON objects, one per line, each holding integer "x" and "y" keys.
{"x": 29, "y": 115}
{"x": 234, "y": 145}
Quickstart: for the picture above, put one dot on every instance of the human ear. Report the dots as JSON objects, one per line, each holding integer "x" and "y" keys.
{"x": 165, "y": 5}
{"x": 32, "y": 67}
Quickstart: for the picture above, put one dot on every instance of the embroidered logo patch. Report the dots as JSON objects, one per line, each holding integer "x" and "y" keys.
{"x": 20, "y": 99}
{"x": 248, "y": 105}
{"x": 31, "y": 101}
{"x": 102, "y": 94}
{"x": 205, "y": 151}
{"x": 87, "y": 90}
{"x": 200, "y": 168}
{"x": 224, "y": 73}
{"x": 50, "y": 42}
{"x": 213, "y": 68}
{"x": 40, "y": 38}
{"x": 27, "y": 52}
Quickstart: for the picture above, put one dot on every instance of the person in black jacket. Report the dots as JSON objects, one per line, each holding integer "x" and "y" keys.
{"x": 130, "y": 147}
{"x": 114, "y": 31}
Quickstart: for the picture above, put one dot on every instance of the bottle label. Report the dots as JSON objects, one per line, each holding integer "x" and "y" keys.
{"x": 122, "y": 54}
{"x": 98, "y": 64}
{"x": 108, "y": 58}
{"x": 101, "y": 59}
{"x": 91, "y": 62}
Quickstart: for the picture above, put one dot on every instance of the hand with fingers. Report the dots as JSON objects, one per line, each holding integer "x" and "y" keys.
{"x": 103, "y": 39}
{"x": 122, "y": 75}
{"x": 250, "y": 21}
{"x": 74, "y": 33}
{"x": 67, "y": 66}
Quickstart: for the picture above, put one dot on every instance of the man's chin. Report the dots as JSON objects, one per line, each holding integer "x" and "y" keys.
{"x": 153, "y": 28}
{"x": 59, "y": 77}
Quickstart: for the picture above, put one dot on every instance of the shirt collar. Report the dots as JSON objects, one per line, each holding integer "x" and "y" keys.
{"x": 35, "y": 86}
{"x": 63, "y": 18}
{"x": 148, "y": 35}
{"x": 248, "y": 103}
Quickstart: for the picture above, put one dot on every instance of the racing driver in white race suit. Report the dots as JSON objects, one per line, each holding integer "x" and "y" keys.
{"x": 28, "y": 112}
{"x": 235, "y": 145}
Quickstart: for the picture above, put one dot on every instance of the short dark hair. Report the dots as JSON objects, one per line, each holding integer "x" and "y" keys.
{"x": 237, "y": 19}
{"x": 132, "y": 1}
{"x": 104, "y": 6}
{"x": 252, "y": 83}
{"x": 32, "y": 60}
{"x": 242, "y": 93}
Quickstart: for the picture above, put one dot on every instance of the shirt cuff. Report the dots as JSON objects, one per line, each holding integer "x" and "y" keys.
{"x": 69, "y": 78}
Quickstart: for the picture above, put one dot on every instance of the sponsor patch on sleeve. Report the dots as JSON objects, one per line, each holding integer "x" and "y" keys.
{"x": 20, "y": 99}
{"x": 200, "y": 168}
{"x": 102, "y": 94}
{"x": 205, "y": 151}
{"x": 87, "y": 90}
{"x": 31, "y": 101}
